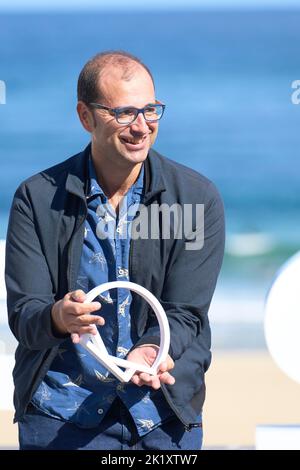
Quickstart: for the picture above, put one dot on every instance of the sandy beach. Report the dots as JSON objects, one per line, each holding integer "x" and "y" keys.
{"x": 244, "y": 389}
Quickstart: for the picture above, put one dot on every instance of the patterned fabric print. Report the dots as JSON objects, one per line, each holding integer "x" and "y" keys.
{"x": 78, "y": 388}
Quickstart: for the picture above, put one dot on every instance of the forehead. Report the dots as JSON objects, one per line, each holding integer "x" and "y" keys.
{"x": 135, "y": 87}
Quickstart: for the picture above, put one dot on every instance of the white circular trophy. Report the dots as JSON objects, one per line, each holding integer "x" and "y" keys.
{"x": 282, "y": 333}
{"x": 94, "y": 343}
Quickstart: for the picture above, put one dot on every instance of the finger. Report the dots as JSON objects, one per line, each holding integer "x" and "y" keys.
{"x": 78, "y": 295}
{"x": 136, "y": 380}
{"x": 85, "y": 320}
{"x": 147, "y": 378}
{"x": 163, "y": 367}
{"x": 75, "y": 338}
{"x": 80, "y": 309}
{"x": 167, "y": 378}
{"x": 84, "y": 330}
{"x": 166, "y": 365}
{"x": 154, "y": 382}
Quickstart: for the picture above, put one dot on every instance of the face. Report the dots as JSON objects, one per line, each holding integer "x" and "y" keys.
{"x": 123, "y": 145}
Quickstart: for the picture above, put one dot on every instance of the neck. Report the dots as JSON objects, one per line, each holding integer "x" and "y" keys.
{"x": 115, "y": 181}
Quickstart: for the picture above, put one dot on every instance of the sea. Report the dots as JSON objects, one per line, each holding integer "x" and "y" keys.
{"x": 226, "y": 79}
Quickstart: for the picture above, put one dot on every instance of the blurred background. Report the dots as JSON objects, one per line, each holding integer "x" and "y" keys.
{"x": 225, "y": 71}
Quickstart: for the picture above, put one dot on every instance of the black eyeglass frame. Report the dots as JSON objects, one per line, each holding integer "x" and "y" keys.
{"x": 117, "y": 111}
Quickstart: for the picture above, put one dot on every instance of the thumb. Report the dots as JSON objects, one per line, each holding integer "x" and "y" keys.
{"x": 78, "y": 296}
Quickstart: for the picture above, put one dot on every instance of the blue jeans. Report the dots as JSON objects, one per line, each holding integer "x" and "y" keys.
{"x": 117, "y": 431}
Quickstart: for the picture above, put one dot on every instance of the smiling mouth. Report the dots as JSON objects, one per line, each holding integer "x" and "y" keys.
{"x": 132, "y": 141}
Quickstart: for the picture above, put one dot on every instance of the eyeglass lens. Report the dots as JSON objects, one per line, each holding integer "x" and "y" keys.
{"x": 151, "y": 113}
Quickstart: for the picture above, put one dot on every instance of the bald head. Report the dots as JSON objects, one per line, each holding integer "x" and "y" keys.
{"x": 111, "y": 65}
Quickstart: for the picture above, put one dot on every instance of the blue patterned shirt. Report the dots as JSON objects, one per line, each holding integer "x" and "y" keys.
{"x": 77, "y": 387}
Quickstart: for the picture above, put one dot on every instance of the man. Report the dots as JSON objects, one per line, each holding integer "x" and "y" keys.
{"x": 66, "y": 235}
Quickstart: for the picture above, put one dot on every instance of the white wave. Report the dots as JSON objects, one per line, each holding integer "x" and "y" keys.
{"x": 231, "y": 308}
{"x": 6, "y": 392}
{"x": 249, "y": 244}
{"x": 3, "y": 311}
{"x": 2, "y": 262}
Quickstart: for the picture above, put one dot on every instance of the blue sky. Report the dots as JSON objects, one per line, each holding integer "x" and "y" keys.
{"x": 139, "y": 4}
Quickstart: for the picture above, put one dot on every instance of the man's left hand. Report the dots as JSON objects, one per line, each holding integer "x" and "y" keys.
{"x": 146, "y": 355}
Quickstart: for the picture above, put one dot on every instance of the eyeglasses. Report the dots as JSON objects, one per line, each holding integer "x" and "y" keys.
{"x": 128, "y": 114}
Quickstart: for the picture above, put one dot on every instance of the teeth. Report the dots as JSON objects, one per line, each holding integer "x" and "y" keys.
{"x": 131, "y": 141}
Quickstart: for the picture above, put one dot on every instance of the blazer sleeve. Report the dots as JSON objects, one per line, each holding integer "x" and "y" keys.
{"x": 190, "y": 283}
{"x": 30, "y": 294}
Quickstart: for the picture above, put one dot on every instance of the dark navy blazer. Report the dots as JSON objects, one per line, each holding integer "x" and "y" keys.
{"x": 43, "y": 248}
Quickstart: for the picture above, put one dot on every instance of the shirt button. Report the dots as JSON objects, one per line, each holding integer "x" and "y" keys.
{"x": 120, "y": 388}
{"x": 100, "y": 411}
{"x": 119, "y": 229}
{"x": 123, "y": 272}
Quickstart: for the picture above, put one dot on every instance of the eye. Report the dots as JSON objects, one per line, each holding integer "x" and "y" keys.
{"x": 152, "y": 112}
{"x": 150, "y": 109}
{"x": 125, "y": 112}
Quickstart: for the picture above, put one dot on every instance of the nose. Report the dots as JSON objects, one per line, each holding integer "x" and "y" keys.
{"x": 140, "y": 125}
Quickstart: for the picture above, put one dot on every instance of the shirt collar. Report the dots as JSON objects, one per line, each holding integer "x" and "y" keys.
{"x": 139, "y": 184}
{"x": 77, "y": 181}
{"x": 94, "y": 189}
{"x": 93, "y": 185}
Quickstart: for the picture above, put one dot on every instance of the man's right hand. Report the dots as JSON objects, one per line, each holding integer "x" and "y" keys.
{"x": 71, "y": 315}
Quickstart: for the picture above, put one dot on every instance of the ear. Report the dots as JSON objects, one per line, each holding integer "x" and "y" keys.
{"x": 86, "y": 116}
